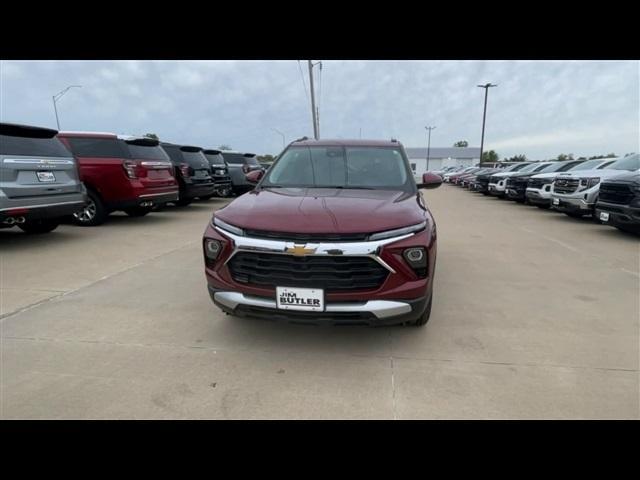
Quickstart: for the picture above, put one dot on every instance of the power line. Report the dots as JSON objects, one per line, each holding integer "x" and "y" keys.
{"x": 304, "y": 85}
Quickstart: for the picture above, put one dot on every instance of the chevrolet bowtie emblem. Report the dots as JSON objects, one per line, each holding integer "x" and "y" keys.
{"x": 300, "y": 250}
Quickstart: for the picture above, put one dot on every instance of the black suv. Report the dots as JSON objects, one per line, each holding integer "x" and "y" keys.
{"x": 619, "y": 202}
{"x": 219, "y": 172}
{"x": 239, "y": 165}
{"x": 192, "y": 171}
{"x": 516, "y": 185}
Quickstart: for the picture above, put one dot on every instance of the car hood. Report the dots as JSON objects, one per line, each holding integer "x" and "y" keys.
{"x": 505, "y": 174}
{"x": 604, "y": 173}
{"x": 323, "y": 210}
{"x": 631, "y": 177}
{"x": 547, "y": 175}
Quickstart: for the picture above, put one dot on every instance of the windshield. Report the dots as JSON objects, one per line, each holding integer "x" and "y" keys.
{"x": 630, "y": 163}
{"x": 531, "y": 167}
{"x": 554, "y": 167}
{"x": 515, "y": 168}
{"x": 588, "y": 165}
{"x": 341, "y": 167}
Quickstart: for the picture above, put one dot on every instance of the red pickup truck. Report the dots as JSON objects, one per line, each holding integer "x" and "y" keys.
{"x": 336, "y": 231}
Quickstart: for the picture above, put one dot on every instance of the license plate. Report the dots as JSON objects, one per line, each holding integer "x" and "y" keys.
{"x": 46, "y": 176}
{"x": 307, "y": 299}
{"x": 556, "y": 201}
{"x": 604, "y": 216}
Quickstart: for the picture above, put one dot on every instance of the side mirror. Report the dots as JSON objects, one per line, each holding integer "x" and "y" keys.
{"x": 430, "y": 180}
{"x": 254, "y": 176}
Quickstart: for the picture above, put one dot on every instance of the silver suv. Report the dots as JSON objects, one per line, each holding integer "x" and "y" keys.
{"x": 39, "y": 180}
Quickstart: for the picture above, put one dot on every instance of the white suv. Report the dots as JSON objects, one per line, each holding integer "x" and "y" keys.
{"x": 539, "y": 186}
{"x": 576, "y": 193}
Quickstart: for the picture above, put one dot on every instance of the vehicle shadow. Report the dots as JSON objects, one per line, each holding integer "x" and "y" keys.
{"x": 13, "y": 239}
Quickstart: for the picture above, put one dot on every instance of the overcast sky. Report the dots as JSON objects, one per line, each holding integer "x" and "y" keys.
{"x": 540, "y": 108}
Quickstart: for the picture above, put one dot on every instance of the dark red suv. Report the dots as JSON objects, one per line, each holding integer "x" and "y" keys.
{"x": 336, "y": 231}
{"x": 121, "y": 173}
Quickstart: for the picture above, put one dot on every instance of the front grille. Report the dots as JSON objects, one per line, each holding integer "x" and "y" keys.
{"x": 494, "y": 179}
{"x": 537, "y": 182}
{"x": 331, "y": 273}
{"x": 616, "y": 193}
{"x": 308, "y": 237}
{"x": 565, "y": 185}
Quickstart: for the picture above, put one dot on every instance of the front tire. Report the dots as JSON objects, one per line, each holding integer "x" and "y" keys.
{"x": 424, "y": 318}
{"x": 34, "y": 227}
{"x": 92, "y": 214}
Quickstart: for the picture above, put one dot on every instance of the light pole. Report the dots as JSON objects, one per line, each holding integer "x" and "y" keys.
{"x": 280, "y": 133}
{"x": 57, "y": 97}
{"x": 484, "y": 115}
{"x": 429, "y": 145}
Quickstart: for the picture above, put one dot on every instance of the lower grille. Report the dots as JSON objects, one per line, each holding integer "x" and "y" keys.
{"x": 296, "y": 316}
{"x": 612, "y": 193}
{"x": 331, "y": 273}
{"x": 565, "y": 185}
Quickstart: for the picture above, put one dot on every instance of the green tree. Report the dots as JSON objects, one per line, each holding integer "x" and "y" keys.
{"x": 564, "y": 157}
{"x": 489, "y": 157}
{"x": 224, "y": 147}
{"x": 461, "y": 143}
{"x": 152, "y": 135}
{"x": 516, "y": 158}
{"x": 265, "y": 158}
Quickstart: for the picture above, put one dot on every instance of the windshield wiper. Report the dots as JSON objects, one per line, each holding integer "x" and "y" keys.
{"x": 347, "y": 187}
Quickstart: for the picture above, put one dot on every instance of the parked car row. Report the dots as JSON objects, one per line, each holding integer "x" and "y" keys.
{"x": 606, "y": 189}
{"x": 46, "y": 176}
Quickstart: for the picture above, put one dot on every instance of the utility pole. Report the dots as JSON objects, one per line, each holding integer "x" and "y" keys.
{"x": 314, "y": 112}
{"x": 429, "y": 145}
{"x": 484, "y": 115}
{"x": 57, "y": 97}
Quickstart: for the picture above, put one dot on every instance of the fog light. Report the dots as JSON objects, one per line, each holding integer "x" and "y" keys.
{"x": 212, "y": 248}
{"x": 416, "y": 257}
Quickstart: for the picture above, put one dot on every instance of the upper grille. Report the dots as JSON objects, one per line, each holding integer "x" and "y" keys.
{"x": 616, "y": 193}
{"x": 308, "y": 237}
{"x": 565, "y": 185}
{"x": 495, "y": 179}
{"x": 537, "y": 182}
{"x": 332, "y": 273}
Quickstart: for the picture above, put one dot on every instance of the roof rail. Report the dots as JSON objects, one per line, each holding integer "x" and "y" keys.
{"x": 394, "y": 140}
{"x": 302, "y": 139}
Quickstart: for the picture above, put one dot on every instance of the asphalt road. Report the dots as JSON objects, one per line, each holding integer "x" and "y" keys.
{"x": 536, "y": 315}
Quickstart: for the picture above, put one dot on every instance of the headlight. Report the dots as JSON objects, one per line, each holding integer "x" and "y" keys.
{"x": 586, "y": 183}
{"x": 397, "y": 232}
{"x": 225, "y": 226}
{"x": 212, "y": 248}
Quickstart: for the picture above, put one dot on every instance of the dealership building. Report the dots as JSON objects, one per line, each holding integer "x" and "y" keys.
{"x": 441, "y": 157}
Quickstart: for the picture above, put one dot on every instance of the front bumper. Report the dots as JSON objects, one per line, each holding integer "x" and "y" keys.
{"x": 497, "y": 188}
{"x": 571, "y": 204}
{"x": 368, "y": 312}
{"x": 516, "y": 193}
{"x": 623, "y": 216}
{"x": 538, "y": 196}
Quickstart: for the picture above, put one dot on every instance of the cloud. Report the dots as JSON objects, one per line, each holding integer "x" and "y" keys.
{"x": 540, "y": 108}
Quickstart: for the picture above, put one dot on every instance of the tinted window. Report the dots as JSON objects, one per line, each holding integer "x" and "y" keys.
{"x": 251, "y": 160}
{"x": 234, "y": 158}
{"x": 588, "y": 165}
{"x": 631, "y": 163}
{"x": 195, "y": 159}
{"x": 145, "y": 152}
{"x": 340, "y": 167}
{"x": 557, "y": 167}
{"x": 174, "y": 153}
{"x": 41, "y": 147}
{"x": 215, "y": 159}
{"x": 97, "y": 147}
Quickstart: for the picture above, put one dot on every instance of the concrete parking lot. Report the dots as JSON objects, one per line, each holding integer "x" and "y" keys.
{"x": 536, "y": 315}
